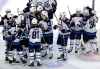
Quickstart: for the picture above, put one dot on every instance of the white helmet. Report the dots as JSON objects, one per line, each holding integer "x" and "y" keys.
{"x": 63, "y": 15}
{"x": 85, "y": 12}
{"x": 9, "y": 15}
{"x": 32, "y": 9}
{"x": 8, "y": 11}
{"x": 34, "y": 21}
{"x": 44, "y": 14}
{"x": 39, "y": 8}
{"x": 20, "y": 12}
{"x": 93, "y": 12}
{"x": 78, "y": 11}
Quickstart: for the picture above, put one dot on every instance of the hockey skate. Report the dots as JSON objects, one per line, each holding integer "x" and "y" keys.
{"x": 6, "y": 58}
{"x": 62, "y": 57}
{"x": 23, "y": 61}
{"x": 31, "y": 64}
{"x": 69, "y": 51}
{"x": 39, "y": 64}
{"x": 50, "y": 55}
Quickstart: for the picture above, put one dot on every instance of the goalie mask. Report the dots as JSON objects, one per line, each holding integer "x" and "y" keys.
{"x": 44, "y": 15}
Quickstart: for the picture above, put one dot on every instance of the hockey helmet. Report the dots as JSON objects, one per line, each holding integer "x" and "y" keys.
{"x": 39, "y": 8}
{"x": 44, "y": 15}
{"x": 9, "y": 15}
{"x": 32, "y": 9}
{"x": 8, "y": 11}
{"x": 62, "y": 15}
{"x": 78, "y": 11}
{"x": 34, "y": 21}
{"x": 85, "y": 12}
{"x": 94, "y": 12}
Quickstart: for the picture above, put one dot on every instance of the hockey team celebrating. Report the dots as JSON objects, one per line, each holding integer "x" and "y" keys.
{"x": 29, "y": 35}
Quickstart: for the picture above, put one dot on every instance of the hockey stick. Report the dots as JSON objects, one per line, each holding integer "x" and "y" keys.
{"x": 93, "y": 4}
{"x": 69, "y": 11}
{"x": 56, "y": 18}
{"x": 93, "y": 7}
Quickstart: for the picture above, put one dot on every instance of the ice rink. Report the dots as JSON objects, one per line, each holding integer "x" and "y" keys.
{"x": 73, "y": 62}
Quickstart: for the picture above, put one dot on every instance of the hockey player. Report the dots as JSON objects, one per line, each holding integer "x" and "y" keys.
{"x": 9, "y": 35}
{"x": 5, "y": 20}
{"x": 35, "y": 35}
{"x": 5, "y": 32}
{"x": 36, "y": 12}
{"x": 27, "y": 9}
{"x": 47, "y": 39}
{"x": 50, "y": 6}
{"x": 64, "y": 32}
{"x": 89, "y": 34}
{"x": 21, "y": 41}
{"x": 9, "y": 39}
{"x": 76, "y": 31}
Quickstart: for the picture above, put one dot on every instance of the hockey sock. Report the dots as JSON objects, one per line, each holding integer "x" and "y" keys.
{"x": 31, "y": 57}
{"x": 38, "y": 58}
{"x": 50, "y": 51}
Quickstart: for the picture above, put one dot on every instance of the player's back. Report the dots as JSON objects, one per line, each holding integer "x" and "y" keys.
{"x": 35, "y": 35}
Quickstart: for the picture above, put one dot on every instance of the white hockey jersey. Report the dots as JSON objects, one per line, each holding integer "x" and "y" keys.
{"x": 12, "y": 30}
{"x": 35, "y": 35}
{"x": 91, "y": 25}
{"x": 46, "y": 25}
{"x": 77, "y": 21}
{"x": 63, "y": 29}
